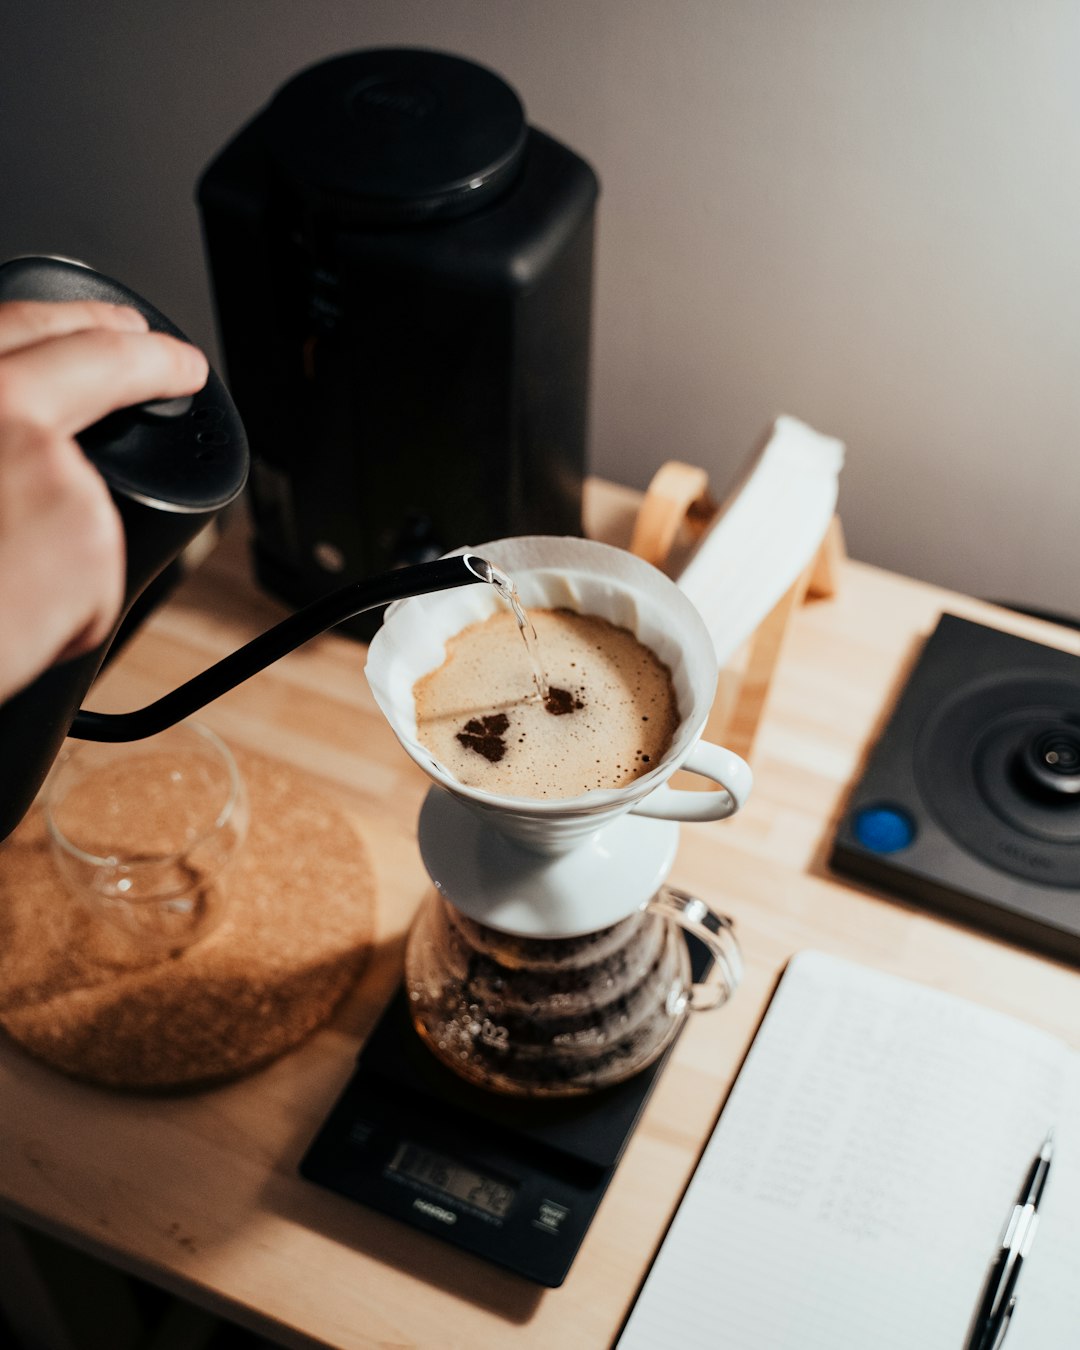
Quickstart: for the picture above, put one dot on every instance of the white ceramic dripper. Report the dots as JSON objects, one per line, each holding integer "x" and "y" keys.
{"x": 554, "y": 572}
{"x": 551, "y": 961}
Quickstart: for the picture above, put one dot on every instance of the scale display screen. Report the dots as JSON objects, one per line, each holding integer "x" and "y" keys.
{"x": 489, "y": 1194}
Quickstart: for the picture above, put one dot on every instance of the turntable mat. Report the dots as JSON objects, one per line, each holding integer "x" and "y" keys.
{"x": 298, "y": 929}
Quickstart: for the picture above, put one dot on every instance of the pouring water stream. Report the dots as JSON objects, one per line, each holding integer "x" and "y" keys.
{"x": 507, "y": 589}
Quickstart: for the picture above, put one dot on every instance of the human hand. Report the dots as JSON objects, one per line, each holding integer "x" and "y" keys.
{"x": 63, "y": 366}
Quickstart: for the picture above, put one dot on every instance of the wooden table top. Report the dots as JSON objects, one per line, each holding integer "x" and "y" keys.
{"x": 200, "y": 1194}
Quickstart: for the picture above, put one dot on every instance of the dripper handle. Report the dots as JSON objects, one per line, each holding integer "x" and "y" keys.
{"x": 724, "y": 767}
{"x": 717, "y": 932}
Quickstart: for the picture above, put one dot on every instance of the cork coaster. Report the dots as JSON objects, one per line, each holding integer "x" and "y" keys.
{"x": 298, "y": 929}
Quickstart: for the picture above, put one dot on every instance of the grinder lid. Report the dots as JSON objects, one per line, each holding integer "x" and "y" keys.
{"x": 187, "y": 455}
{"x": 397, "y": 135}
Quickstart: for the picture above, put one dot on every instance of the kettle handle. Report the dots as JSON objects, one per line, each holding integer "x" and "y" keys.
{"x": 464, "y": 569}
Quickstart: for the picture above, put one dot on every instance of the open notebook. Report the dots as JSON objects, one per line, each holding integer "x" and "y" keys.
{"x": 855, "y": 1187}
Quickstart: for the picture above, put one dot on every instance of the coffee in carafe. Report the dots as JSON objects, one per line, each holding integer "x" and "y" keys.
{"x": 556, "y": 1017}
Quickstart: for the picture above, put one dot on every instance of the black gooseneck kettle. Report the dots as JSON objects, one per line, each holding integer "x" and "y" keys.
{"x": 170, "y": 466}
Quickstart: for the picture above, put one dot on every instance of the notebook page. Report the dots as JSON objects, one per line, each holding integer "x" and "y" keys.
{"x": 855, "y": 1187}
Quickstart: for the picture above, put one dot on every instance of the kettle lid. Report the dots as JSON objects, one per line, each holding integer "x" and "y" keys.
{"x": 186, "y": 455}
{"x": 398, "y": 135}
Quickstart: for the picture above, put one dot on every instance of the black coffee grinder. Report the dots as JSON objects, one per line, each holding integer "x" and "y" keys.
{"x": 402, "y": 272}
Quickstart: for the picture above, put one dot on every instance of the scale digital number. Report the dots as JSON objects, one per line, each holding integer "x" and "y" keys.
{"x": 488, "y": 1195}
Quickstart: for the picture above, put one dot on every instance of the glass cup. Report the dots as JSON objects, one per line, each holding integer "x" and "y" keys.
{"x": 142, "y": 832}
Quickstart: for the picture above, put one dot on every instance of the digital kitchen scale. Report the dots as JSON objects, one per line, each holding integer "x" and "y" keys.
{"x": 513, "y": 1180}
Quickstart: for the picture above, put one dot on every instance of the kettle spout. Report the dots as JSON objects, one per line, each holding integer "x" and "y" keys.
{"x": 34, "y": 723}
{"x": 462, "y": 569}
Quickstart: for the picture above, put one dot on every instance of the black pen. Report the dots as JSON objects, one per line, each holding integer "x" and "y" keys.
{"x": 996, "y": 1306}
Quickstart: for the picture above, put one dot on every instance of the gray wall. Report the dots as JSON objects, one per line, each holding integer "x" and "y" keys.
{"x": 862, "y": 213}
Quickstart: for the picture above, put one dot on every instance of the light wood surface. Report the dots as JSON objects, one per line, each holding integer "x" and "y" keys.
{"x": 200, "y": 1194}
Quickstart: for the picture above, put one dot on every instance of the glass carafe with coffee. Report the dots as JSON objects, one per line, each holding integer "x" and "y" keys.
{"x": 552, "y": 958}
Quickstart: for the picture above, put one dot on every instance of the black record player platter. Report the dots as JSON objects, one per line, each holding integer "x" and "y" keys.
{"x": 970, "y": 801}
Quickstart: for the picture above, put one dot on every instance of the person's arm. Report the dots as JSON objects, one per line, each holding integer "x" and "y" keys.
{"x": 62, "y": 368}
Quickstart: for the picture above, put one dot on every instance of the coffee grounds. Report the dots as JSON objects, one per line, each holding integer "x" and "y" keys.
{"x": 486, "y": 735}
{"x": 559, "y": 702}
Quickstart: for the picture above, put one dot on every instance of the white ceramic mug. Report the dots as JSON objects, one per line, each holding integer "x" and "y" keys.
{"x": 554, "y": 572}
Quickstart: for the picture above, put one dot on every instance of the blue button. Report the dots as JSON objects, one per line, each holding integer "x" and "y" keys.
{"x": 883, "y": 829}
